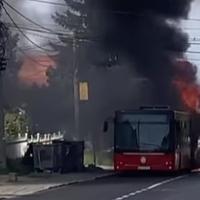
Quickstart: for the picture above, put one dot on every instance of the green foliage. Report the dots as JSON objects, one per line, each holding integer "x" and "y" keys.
{"x": 3, "y": 34}
{"x": 15, "y": 122}
{"x": 74, "y": 18}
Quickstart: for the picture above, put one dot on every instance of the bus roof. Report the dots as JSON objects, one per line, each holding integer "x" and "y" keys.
{"x": 153, "y": 111}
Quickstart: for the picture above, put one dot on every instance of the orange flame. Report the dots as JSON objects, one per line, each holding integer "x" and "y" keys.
{"x": 33, "y": 71}
{"x": 187, "y": 85}
{"x": 190, "y": 94}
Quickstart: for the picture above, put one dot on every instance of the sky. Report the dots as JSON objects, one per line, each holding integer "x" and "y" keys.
{"x": 192, "y": 27}
{"x": 40, "y": 13}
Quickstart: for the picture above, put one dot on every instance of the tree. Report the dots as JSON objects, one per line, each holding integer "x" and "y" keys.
{"x": 16, "y": 122}
{"x": 3, "y": 33}
{"x": 74, "y": 18}
{"x": 2, "y": 65}
{"x": 12, "y": 92}
{"x": 83, "y": 22}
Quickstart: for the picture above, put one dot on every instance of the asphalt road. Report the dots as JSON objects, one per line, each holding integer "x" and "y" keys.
{"x": 130, "y": 187}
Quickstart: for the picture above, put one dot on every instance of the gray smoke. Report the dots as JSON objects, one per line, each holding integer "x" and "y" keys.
{"x": 147, "y": 43}
{"x": 148, "y": 34}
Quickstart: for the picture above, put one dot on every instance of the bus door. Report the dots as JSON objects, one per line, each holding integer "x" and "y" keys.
{"x": 177, "y": 145}
{"x": 183, "y": 150}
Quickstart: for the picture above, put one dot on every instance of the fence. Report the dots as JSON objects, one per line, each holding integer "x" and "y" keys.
{"x": 17, "y": 147}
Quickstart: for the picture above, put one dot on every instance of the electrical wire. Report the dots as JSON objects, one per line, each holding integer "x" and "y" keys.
{"x": 66, "y": 36}
{"x": 49, "y": 2}
{"x": 193, "y": 52}
{"x": 193, "y": 59}
{"x": 62, "y": 35}
{"x": 194, "y": 43}
{"x": 26, "y": 18}
{"x": 25, "y": 36}
{"x": 111, "y": 11}
{"x": 48, "y": 30}
{"x": 41, "y": 31}
{"x": 44, "y": 37}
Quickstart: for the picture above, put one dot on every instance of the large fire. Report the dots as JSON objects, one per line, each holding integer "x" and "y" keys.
{"x": 34, "y": 70}
{"x": 190, "y": 94}
{"x": 187, "y": 85}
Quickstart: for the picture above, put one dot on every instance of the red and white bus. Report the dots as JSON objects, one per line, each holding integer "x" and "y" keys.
{"x": 152, "y": 138}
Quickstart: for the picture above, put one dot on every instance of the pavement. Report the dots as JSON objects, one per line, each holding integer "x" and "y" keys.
{"x": 130, "y": 187}
{"x": 34, "y": 183}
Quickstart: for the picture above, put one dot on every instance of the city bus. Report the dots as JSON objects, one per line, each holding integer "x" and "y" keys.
{"x": 152, "y": 138}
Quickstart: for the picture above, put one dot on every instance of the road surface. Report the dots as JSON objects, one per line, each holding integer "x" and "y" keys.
{"x": 133, "y": 187}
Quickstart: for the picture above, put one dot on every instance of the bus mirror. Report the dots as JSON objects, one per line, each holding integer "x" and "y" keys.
{"x": 105, "y": 126}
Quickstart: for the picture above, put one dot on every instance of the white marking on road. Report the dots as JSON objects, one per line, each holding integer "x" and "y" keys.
{"x": 151, "y": 187}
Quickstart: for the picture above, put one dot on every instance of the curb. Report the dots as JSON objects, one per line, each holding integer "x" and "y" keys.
{"x": 81, "y": 181}
{"x": 60, "y": 185}
{"x": 91, "y": 179}
{"x": 75, "y": 182}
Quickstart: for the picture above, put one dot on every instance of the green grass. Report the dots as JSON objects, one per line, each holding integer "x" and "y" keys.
{"x": 88, "y": 158}
{"x": 102, "y": 158}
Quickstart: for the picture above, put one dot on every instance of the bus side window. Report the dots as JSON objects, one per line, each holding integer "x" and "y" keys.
{"x": 185, "y": 134}
{"x": 178, "y": 132}
{"x": 178, "y": 126}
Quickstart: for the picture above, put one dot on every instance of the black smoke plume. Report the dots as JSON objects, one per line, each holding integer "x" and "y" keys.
{"x": 147, "y": 32}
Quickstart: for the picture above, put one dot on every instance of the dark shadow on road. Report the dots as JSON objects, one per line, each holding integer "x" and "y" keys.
{"x": 120, "y": 178}
{"x": 150, "y": 174}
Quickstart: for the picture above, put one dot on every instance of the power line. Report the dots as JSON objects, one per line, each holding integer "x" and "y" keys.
{"x": 193, "y": 52}
{"x": 193, "y": 59}
{"x": 103, "y": 11}
{"x": 26, "y": 18}
{"x": 55, "y": 27}
{"x": 35, "y": 44}
{"x": 48, "y": 30}
{"x": 194, "y": 43}
{"x": 44, "y": 36}
{"x": 111, "y": 11}
{"x": 49, "y": 2}
{"x": 190, "y": 29}
{"x": 28, "y": 47}
{"x": 64, "y": 34}
{"x": 192, "y": 19}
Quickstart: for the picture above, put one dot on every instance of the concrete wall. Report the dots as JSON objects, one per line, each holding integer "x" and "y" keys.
{"x": 17, "y": 147}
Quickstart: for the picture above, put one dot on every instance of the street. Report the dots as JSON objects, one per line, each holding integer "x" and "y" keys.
{"x": 140, "y": 187}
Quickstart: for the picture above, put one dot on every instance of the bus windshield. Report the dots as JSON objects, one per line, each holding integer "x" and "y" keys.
{"x": 142, "y": 134}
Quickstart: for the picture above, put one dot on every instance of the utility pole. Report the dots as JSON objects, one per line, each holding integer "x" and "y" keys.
{"x": 76, "y": 90}
{"x": 2, "y": 134}
{"x": 3, "y": 63}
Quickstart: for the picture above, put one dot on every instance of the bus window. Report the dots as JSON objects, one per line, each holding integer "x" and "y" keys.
{"x": 182, "y": 132}
{"x": 126, "y": 136}
{"x": 178, "y": 126}
{"x": 178, "y": 133}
